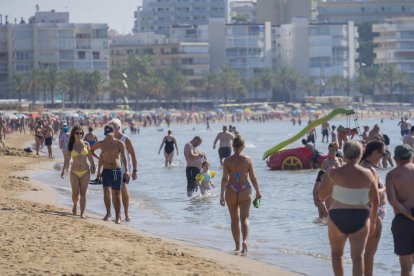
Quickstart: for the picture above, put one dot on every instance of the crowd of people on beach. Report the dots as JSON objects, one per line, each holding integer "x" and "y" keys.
{"x": 348, "y": 191}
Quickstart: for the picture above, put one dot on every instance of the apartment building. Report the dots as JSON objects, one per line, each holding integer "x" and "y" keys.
{"x": 280, "y": 12}
{"x": 248, "y": 48}
{"x": 395, "y": 44}
{"x": 62, "y": 45}
{"x": 159, "y": 16}
{"x": 340, "y": 11}
{"x": 192, "y": 58}
{"x": 316, "y": 50}
{"x": 241, "y": 12}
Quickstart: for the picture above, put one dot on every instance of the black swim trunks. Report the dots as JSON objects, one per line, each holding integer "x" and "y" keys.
{"x": 191, "y": 173}
{"x": 48, "y": 141}
{"x": 224, "y": 152}
{"x": 311, "y": 139}
{"x": 112, "y": 179}
{"x": 403, "y": 232}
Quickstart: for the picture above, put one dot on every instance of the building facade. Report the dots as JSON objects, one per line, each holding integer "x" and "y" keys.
{"x": 159, "y": 16}
{"x": 248, "y": 48}
{"x": 84, "y": 47}
{"x": 280, "y": 12}
{"x": 192, "y": 58}
{"x": 241, "y": 12}
{"x": 363, "y": 11}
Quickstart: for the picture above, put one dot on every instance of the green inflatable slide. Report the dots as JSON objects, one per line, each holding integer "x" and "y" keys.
{"x": 302, "y": 133}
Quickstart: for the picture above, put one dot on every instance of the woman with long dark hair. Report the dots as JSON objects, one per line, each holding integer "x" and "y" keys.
{"x": 374, "y": 152}
{"x": 236, "y": 191}
{"x": 78, "y": 151}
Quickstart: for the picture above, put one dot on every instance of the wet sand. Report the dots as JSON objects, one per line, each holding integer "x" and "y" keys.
{"x": 37, "y": 236}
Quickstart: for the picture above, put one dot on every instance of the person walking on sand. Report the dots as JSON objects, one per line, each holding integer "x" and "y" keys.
{"x": 64, "y": 139}
{"x": 38, "y": 133}
{"x": 112, "y": 151}
{"x": 373, "y": 153}
{"x": 194, "y": 159}
{"x": 80, "y": 171}
{"x": 90, "y": 137}
{"x": 131, "y": 156}
{"x": 400, "y": 194}
{"x": 351, "y": 188}
{"x": 225, "y": 137}
{"x": 168, "y": 142}
{"x": 236, "y": 191}
{"x": 48, "y": 135}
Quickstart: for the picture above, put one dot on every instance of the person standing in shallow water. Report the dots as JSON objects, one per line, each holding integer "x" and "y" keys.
{"x": 400, "y": 194}
{"x": 225, "y": 137}
{"x": 236, "y": 191}
{"x": 351, "y": 188}
{"x": 194, "y": 159}
{"x": 374, "y": 151}
{"x": 168, "y": 142}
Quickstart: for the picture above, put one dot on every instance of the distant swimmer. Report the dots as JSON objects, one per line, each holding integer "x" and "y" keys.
{"x": 225, "y": 138}
{"x": 194, "y": 158}
{"x": 112, "y": 154}
{"x": 90, "y": 137}
{"x": 168, "y": 142}
{"x": 400, "y": 194}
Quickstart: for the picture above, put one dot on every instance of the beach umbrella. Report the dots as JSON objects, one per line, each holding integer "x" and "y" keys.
{"x": 10, "y": 116}
{"x": 35, "y": 115}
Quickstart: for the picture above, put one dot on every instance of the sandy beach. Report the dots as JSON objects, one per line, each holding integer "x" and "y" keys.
{"x": 37, "y": 236}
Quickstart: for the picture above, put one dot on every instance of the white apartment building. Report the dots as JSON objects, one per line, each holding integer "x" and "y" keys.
{"x": 319, "y": 51}
{"x": 340, "y": 11}
{"x": 189, "y": 33}
{"x": 159, "y": 16}
{"x": 241, "y": 11}
{"x": 395, "y": 43}
{"x": 248, "y": 48}
{"x": 63, "y": 46}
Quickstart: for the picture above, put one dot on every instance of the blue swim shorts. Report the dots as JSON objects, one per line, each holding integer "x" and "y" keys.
{"x": 112, "y": 179}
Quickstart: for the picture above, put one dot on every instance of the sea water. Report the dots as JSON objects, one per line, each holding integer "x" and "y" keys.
{"x": 284, "y": 231}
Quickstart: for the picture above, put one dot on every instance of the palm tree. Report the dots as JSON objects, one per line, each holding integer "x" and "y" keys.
{"x": 310, "y": 87}
{"x": 264, "y": 80}
{"x": 155, "y": 87}
{"x": 53, "y": 80}
{"x": 92, "y": 84}
{"x": 19, "y": 85}
{"x": 72, "y": 80}
{"x": 117, "y": 85}
{"x": 286, "y": 81}
{"x": 210, "y": 85}
{"x": 337, "y": 83}
{"x": 391, "y": 77}
{"x": 32, "y": 82}
{"x": 176, "y": 81}
{"x": 230, "y": 82}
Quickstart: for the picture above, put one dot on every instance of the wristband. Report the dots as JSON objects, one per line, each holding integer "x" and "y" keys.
{"x": 134, "y": 170}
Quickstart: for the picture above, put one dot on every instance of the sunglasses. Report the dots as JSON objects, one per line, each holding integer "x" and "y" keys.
{"x": 79, "y": 133}
{"x": 332, "y": 150}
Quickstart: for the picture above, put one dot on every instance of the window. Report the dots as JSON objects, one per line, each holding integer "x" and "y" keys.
{"x": 95, "y": 55}
{"x": 81, "y": 55}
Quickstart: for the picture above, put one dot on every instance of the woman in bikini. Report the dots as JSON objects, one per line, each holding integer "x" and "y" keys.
{"x": 78, "y": 151}
{"x": 351, "y": 188}
{"x": 237, "y": 192}
{"x": 374, "y": 152}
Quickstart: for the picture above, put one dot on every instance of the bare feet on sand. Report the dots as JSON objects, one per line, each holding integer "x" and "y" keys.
{"x": 74, "y": 210}
{"x": 127, "y": 218}
{"x": 83, "y": 216}
{"x": 107, "y": 217}
{"x": 118, "y": 220}
{"x": 244, "y": 250}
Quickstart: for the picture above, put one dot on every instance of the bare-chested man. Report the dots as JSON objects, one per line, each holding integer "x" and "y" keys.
{"x": 194, "y": 160}
{"x": 48, "y": 134}
{"x": 400, "y": 194}
{"x": 112, "y": 150}
{"x": 226, "y": 138}
{"x": 38, "y": 133}
{"x": 325, "y": 132}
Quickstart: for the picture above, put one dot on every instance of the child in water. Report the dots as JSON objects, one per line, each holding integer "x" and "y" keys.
{"x": 205, "y": 178}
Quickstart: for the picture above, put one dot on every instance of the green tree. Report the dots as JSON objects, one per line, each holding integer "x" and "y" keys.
{"x": 32, "y": 82}
{"x": 310, "y": 87}
{"x": 155, "y": 87}
{"x": 118, "y": 86}
{"x": 337, "y": 83}
{"x": 366, "y": 44}
{"x": 230, "y": 83}
{"x": 19, "y": 85}
{"x": 264, "y": 80}
{"x": 53, "y": 79}
{"x": 92, "y": 84}
{"x": 390, "y": 77}
{"x": 286, "y": 82}
{"x": 177, "y": 82}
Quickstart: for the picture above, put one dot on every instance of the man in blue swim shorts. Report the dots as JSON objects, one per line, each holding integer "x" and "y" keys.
{"x": 112, "y": 150}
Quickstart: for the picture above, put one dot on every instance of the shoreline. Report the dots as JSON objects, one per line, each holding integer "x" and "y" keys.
{"x": 41, "y": 236}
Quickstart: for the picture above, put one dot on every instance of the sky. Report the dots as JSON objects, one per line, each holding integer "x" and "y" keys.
{"x": 119, "y": 14}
